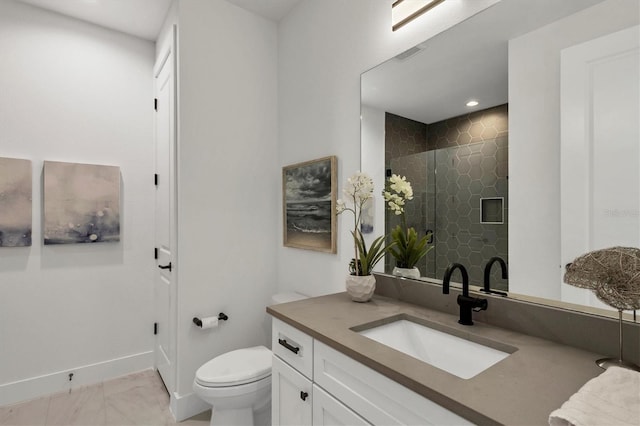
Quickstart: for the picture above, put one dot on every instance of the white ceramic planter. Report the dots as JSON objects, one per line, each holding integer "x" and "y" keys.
{"x": 360, "y": 288}
{"x": 406, "y": 272}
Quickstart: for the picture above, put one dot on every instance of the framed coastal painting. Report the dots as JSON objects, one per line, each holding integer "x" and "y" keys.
{"x": 81, "y": 203}
{"x": 309, "y": 204}
{"x": 15, "y": 202}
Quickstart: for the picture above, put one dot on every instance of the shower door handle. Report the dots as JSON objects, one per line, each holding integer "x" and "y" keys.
{"x": 430, "y": 233}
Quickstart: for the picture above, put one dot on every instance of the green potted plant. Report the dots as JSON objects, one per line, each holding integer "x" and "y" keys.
{"x": 407, "y": 249}
{"x": 360, "y": 283}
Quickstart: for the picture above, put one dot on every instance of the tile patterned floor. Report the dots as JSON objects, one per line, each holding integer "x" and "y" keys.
{"x": 136, "y": 399}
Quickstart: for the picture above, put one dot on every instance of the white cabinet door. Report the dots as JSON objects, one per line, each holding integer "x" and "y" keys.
{"x": 291, "y": 396}
{"x": 328, "y": 411}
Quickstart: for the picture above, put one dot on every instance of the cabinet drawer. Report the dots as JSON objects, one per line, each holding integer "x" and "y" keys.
{"x": 293, "y": 346}
{"x": 378, "y": 399}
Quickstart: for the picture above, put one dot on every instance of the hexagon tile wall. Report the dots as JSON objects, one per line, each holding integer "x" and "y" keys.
{"x": 454, "y": 163}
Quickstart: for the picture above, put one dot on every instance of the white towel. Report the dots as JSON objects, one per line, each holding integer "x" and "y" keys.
{"x": 612, "y": 398}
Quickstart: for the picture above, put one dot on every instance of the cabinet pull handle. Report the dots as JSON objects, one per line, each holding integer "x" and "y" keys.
{"x": 304, "y": 395}
{"x": 286, "y": 344}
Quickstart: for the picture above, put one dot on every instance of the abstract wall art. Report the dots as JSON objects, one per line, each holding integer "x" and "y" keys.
{"x": 81, "y": 203}
{"x": 309, "y": 204}
{"x": 15, "y": 202}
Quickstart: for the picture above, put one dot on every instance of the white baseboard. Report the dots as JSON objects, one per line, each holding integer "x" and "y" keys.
{"x": 184, "y": 406}
{"x": 34, "y": 387}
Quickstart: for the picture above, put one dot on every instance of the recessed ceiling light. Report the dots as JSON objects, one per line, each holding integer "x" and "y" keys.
{"x": 472, "y": 103}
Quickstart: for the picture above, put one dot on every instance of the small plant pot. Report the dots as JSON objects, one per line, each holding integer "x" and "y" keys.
{"x": 406, "y": 272}
{"x": 360, "y": 288}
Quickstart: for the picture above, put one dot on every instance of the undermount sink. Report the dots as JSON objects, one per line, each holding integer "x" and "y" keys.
{"x": 456, "y": 355}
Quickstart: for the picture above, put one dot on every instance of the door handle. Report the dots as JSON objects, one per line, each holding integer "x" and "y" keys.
{"x": 165, "y": 266}
{"x": 304, "y": 395}
{"x": 430, "y": 234}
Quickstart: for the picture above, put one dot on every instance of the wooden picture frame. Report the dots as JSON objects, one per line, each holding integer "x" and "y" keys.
{"x": 309, "y": 204}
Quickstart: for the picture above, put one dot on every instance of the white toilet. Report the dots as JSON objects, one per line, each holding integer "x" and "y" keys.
{"x": 237, "y": 384}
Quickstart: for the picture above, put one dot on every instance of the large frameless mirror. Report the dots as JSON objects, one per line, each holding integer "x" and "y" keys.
{"x": 494, "y": 179}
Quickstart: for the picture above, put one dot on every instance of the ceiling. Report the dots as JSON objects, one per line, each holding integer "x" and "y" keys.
{"x": 270, "y": 9}
{"x": 466, "y": 67}
{"x": 143, "y": 18}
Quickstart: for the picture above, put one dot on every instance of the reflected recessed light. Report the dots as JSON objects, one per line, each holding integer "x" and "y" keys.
{"x": 472, "y": 103}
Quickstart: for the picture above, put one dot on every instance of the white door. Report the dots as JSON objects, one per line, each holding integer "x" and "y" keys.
{"x": 291, "y": 396}
{"x": 165, "y": 207}
{"x": 600, "y": 131}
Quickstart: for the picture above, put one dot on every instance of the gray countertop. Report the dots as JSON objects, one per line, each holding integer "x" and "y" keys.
{"x": 522, "y": 389}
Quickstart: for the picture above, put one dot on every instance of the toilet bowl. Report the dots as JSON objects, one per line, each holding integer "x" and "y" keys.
{"x": 237, "y": 384}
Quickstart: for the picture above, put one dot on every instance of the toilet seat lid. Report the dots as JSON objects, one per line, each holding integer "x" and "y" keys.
{"x": 236, "y": 367}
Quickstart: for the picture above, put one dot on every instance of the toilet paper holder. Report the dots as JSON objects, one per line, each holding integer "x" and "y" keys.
{"x": 221, "y": 317}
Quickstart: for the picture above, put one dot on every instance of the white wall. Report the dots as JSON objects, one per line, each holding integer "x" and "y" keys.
{"x": 324, "y": 46}
{"x": 75, "y": 92}
{"x": 372, "y": 122}
{"x": 228, "y": 197}
{"x": 534, "y": 149}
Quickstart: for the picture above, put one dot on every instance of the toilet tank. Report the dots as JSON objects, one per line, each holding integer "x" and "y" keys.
{"x": 291, "y": 296}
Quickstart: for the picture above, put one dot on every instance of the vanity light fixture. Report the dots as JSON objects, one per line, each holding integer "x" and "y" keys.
{"x": 472, "y": 103}
{"x": 405, "y": 11}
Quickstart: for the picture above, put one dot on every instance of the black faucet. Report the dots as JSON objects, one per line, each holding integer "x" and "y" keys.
{"x": 466, "y": 302}
{"x": 487, "y": 275}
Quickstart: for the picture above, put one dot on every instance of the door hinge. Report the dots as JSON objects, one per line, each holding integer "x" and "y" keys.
{"x": 155, "y": 252}
{"x": 155, "y": 104}
{"x": 155, "y": 179}
{"x": 155, "y": 328}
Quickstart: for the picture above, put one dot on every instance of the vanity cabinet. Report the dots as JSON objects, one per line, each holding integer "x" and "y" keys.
{"x": 314, "y": 384}
{"x": 378, "y": 399}
{"x": 291, "y": 374}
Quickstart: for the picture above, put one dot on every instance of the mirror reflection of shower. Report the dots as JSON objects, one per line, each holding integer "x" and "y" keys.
{"x": 458, "y": 169}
